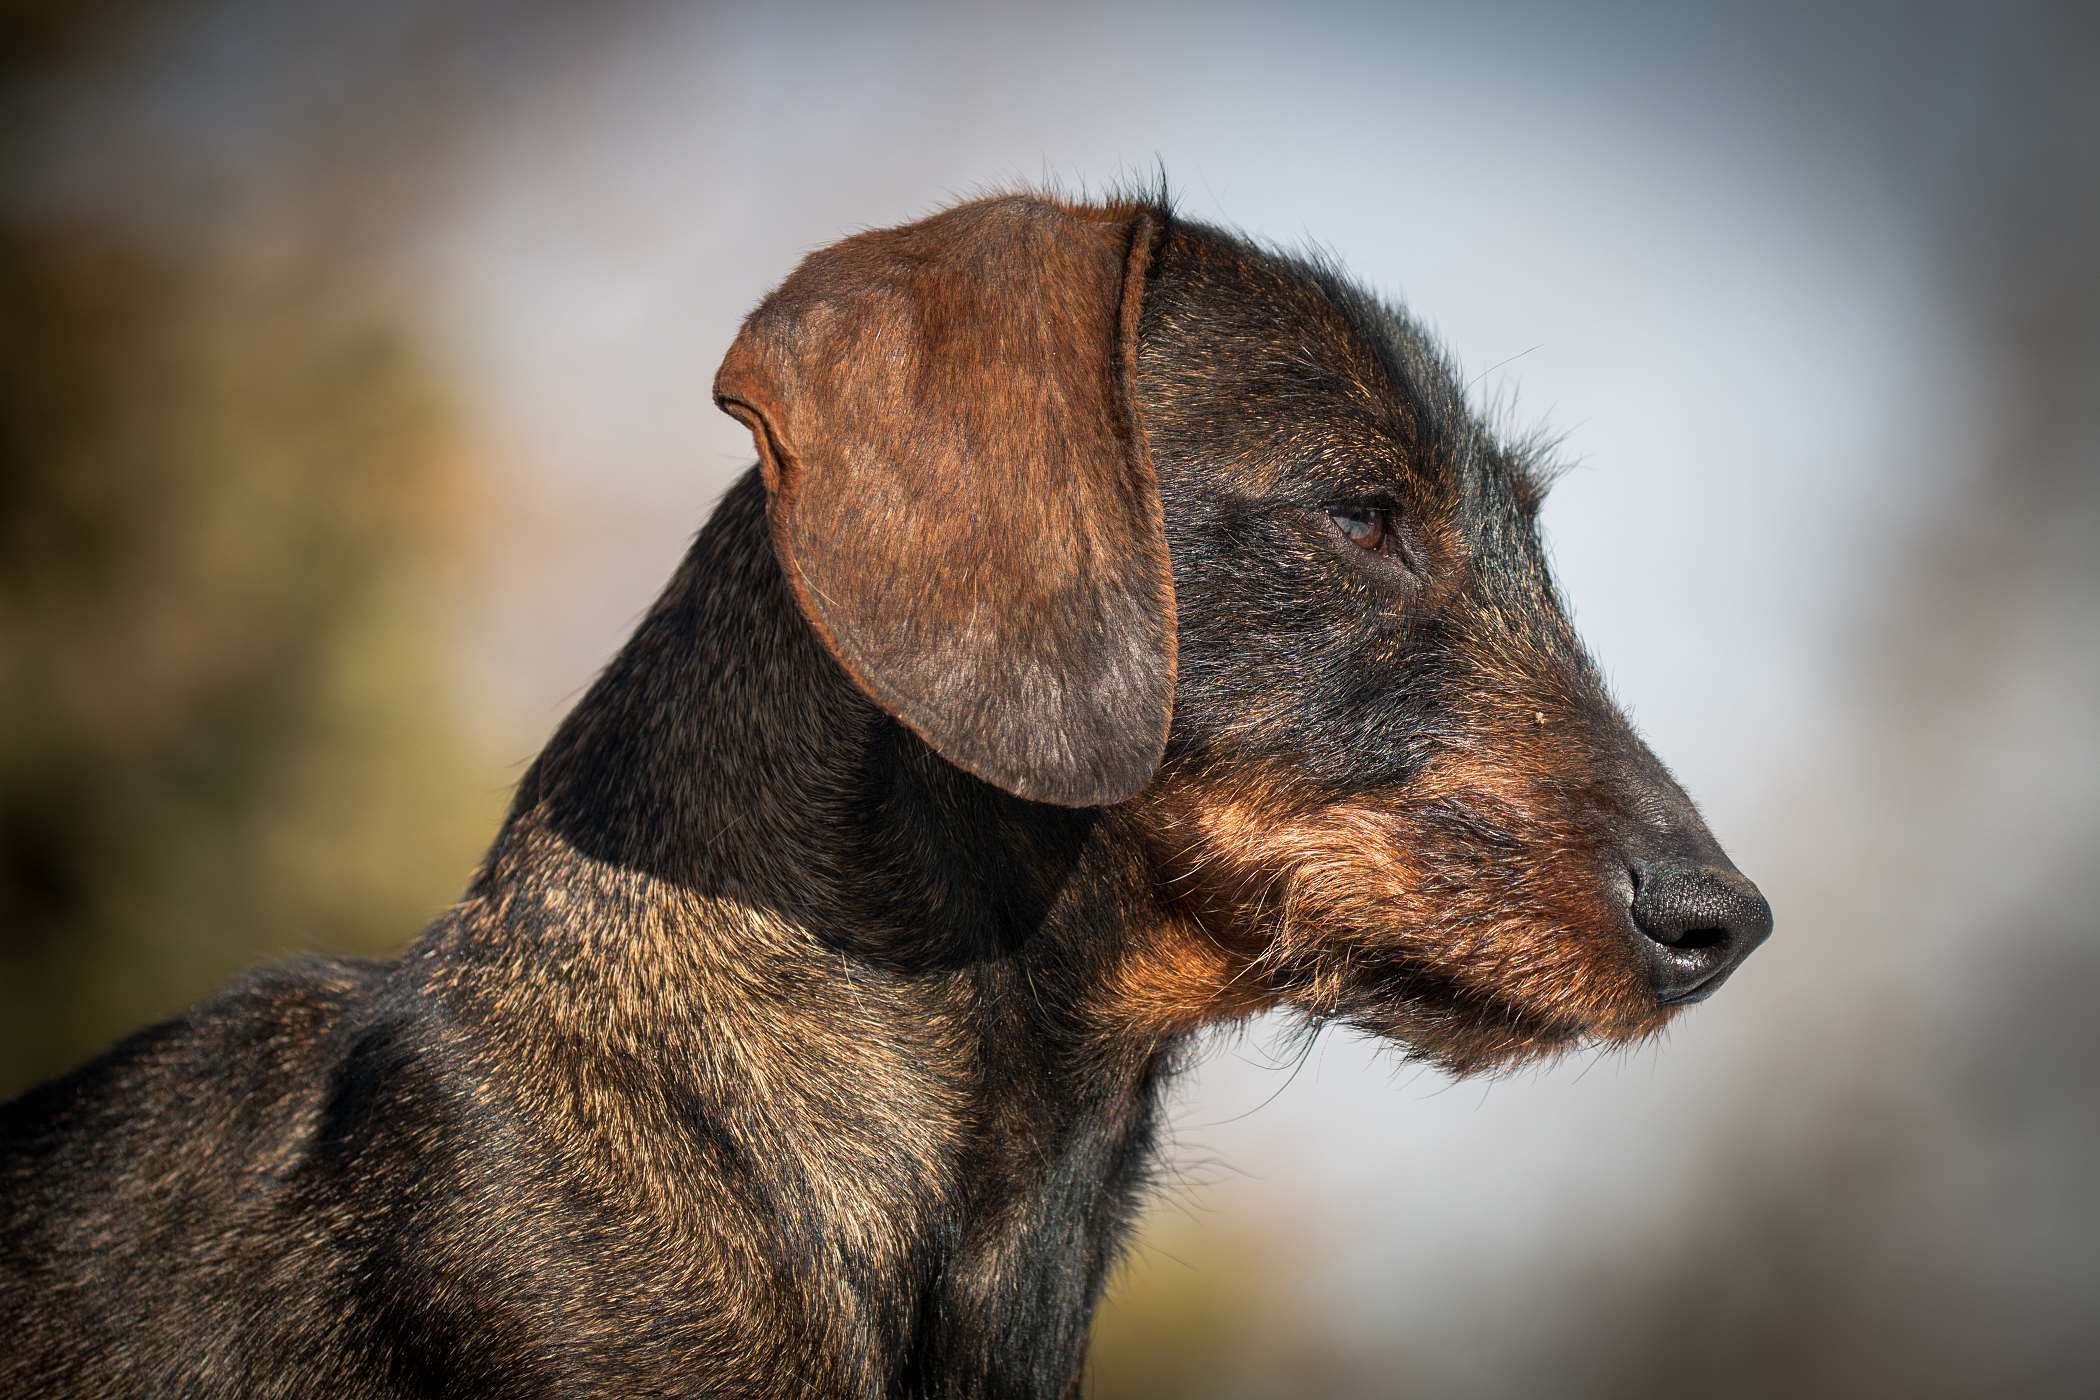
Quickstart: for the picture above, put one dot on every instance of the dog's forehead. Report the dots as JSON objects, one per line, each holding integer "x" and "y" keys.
{"x": 1264, "y": 365}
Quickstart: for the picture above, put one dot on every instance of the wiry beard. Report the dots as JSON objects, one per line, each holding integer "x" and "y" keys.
{"x": 1473, "y": 929}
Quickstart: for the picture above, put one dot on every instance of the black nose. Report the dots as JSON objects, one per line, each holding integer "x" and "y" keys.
{"x": 1699, "y": 923}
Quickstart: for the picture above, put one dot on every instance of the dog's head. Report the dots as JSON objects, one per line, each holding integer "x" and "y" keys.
{"x": 1113, "y": 509}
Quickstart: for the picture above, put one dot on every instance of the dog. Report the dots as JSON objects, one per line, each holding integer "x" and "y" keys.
{"x": 1126, "y": 629}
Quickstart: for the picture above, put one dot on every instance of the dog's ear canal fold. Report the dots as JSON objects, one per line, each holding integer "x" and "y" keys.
{"x": 960, "y": 491}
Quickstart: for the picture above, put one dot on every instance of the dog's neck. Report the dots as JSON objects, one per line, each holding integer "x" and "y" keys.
{"x": 732, "y": 885}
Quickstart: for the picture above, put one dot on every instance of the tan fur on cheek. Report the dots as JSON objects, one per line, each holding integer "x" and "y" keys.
{"x": 1461, "y": 918}
{"x": 1177, "y": 977}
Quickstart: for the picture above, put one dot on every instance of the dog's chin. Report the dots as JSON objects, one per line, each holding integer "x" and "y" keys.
{"x": 1483, "y": 1034}
{"x": 1459, "y": 1044}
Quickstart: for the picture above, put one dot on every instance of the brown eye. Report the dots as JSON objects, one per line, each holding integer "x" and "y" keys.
{"x": 1366, "y": 527}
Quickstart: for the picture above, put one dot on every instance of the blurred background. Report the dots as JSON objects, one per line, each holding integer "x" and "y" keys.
{"x": 354, "y": 369}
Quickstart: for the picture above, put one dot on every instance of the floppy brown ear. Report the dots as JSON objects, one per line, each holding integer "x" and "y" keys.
{"x": 960, "y": 491}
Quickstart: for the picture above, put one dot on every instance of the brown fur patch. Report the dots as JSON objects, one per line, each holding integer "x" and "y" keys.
{"x": 961, "y": 491}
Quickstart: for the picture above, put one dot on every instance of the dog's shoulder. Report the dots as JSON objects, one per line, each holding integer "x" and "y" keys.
{"x": 223, "y": 1094}
{"x": 232, "y": 1056}
{"x": 136, "y": 1186}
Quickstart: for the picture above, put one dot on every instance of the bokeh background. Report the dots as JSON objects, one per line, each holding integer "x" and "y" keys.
{"x": 353, "y": 403}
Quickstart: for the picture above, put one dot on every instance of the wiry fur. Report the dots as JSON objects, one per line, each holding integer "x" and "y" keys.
{"x": 775, "y": 1052}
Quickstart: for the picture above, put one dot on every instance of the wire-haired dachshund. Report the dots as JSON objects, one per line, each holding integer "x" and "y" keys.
{"x": 1125, "y": 629}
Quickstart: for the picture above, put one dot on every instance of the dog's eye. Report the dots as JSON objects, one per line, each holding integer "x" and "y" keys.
{"x": 1366, "y": 527}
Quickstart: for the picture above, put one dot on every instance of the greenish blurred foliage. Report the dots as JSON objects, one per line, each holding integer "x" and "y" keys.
{"x": 1200, "y": 1310}
{"x": 226, "y": 716}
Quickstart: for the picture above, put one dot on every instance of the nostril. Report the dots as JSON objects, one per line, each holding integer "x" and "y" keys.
{"x": 1698, "y": 923}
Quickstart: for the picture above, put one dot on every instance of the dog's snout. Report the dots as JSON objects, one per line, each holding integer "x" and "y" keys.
{"x": 1697, "y": 924}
